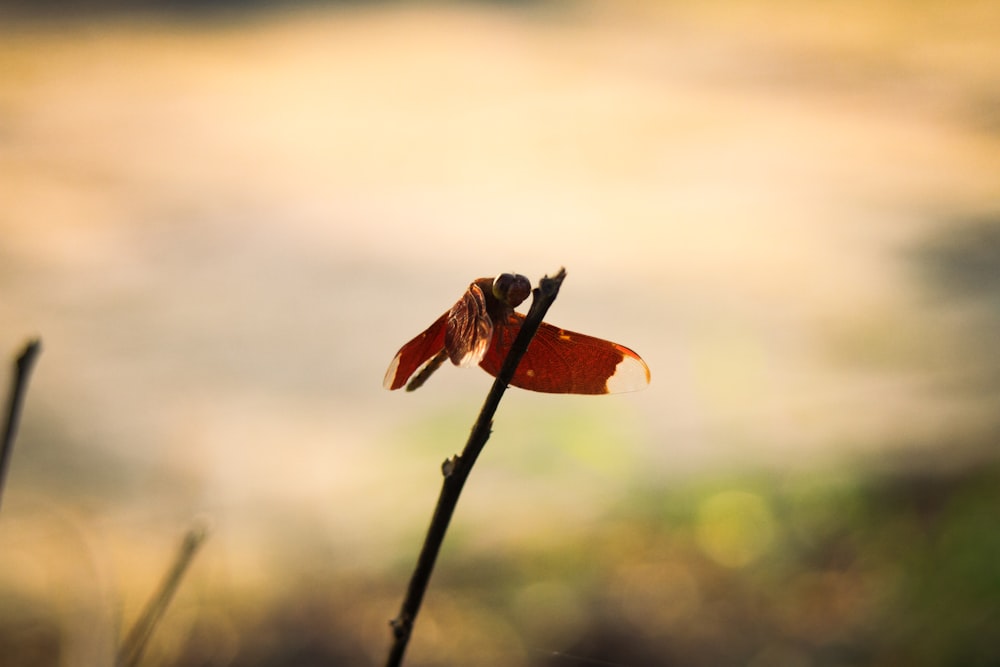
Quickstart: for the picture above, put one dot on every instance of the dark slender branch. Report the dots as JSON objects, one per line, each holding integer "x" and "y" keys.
{"x": 138, "y": 637}
{"x": 456, "y": 470}
{"x": 18, "y": 388}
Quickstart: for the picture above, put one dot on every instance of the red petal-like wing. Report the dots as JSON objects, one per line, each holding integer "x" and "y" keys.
{"x": 565, "y": 362}
{"x": 415, "y": 354}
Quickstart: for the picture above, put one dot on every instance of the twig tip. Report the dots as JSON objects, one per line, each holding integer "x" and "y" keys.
{"x": 549, "y": 286}
{"x": 30, "y": 351}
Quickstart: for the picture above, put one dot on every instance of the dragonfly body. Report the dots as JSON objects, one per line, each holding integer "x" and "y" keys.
{"x": 482, "y": 325}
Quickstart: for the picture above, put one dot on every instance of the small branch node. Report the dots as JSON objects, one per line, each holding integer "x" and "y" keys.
{"x": 448, "y": 467}
{"x": 401, "y": 627}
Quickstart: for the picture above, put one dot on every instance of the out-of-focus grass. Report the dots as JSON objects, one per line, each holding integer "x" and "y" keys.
{"x": 803, "y": 569}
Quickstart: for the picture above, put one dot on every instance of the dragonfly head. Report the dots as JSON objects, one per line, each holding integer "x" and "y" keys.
{"x": 511, "y": 288}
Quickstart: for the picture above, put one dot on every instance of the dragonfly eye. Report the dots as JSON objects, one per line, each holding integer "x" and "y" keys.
{"x": 511, "y": 288}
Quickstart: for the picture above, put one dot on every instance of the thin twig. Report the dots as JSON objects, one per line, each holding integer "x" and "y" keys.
{"x": 137, "y": 639}
{"x": 456, "y": 469}
{"x": 19, "y": 387}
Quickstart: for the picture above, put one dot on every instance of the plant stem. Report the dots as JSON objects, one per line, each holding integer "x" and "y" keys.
{"x": 19, "y": 387}
{"x": 456, "y": 469}
{"x": 138, "y": 637}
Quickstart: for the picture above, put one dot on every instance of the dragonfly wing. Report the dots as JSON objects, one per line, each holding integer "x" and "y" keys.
{"x": 469, "y": 330}
{"x": 415, "y": 354}
{"x": 565, "y": 362}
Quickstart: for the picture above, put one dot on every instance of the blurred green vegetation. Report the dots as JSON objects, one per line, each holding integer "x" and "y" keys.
{"x": 798, "y": 569}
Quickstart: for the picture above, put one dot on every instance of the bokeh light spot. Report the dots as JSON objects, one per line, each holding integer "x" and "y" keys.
{"x": 735, "y": 528}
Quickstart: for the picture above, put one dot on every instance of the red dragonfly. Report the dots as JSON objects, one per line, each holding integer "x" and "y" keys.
{"x": 480, "y": 329}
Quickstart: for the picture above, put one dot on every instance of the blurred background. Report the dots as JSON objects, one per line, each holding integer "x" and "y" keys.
{"x": 223, "y": 221}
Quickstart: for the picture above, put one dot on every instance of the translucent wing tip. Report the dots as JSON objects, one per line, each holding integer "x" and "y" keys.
{"x": 631, "y": 374}
{"x": 390, "y": 375}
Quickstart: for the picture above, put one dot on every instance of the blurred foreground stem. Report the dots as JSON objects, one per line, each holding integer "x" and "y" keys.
{"x": 137, "y": 639}
{"x": 19, "y": 387}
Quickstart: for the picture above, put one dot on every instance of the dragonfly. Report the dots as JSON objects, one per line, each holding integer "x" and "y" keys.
{"x": 480, "y": 329}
